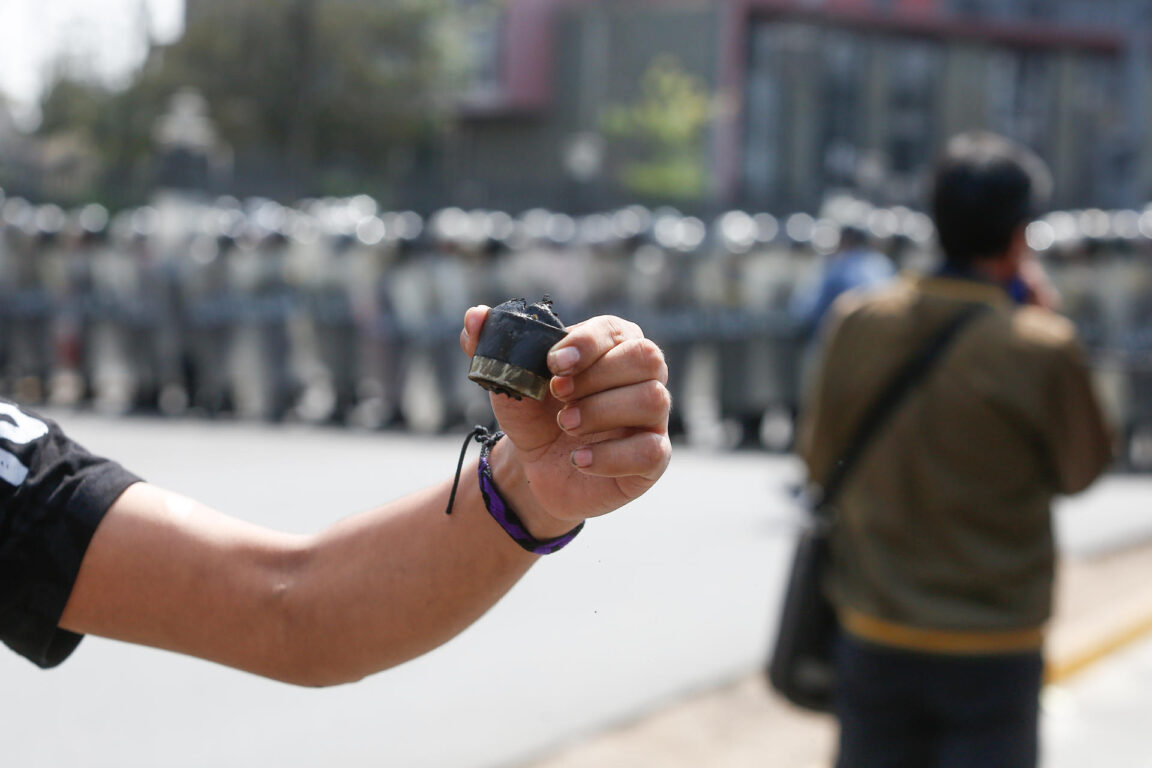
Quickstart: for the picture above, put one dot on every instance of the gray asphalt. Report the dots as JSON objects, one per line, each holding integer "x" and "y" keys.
{"x": 675, "y": 594}
{"x": 1101, "y": 717}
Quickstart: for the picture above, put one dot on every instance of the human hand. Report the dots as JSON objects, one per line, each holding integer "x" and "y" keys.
{"x": 598, "y": 440}
{"x": 1038, "y": 286}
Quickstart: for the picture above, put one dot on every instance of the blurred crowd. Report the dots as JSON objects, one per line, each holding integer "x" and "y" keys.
{"x": 332, "y": 310}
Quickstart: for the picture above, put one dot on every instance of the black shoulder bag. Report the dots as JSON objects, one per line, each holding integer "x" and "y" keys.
{"x": 800, "y": 667}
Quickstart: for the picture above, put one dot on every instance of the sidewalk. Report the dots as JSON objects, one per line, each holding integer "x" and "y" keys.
{"x": 1104, "y": 605}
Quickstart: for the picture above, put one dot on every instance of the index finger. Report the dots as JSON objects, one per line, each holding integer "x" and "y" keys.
{"x": 588, "y": 341}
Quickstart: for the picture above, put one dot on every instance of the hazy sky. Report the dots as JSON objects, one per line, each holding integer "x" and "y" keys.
{"x": 103, "y": 34}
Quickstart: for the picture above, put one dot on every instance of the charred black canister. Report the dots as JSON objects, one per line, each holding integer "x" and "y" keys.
{"x": 512, "y": 351}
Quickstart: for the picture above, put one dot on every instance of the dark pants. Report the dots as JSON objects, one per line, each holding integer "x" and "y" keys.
{"x": 900, "y": 709}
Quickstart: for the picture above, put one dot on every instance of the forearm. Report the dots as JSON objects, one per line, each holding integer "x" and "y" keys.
{"x": 370, "y": 592}
{"x": 383, "y": 587}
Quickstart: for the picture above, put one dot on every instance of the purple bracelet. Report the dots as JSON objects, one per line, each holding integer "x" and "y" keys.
{"x": 499, "y": 508}
{"x": 510, "y": 521}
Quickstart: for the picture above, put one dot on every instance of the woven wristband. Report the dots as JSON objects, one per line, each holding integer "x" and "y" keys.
{"x": 498, "y": 508}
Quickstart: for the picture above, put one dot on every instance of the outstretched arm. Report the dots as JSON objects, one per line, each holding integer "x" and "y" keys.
{"x": 384, "y": 586}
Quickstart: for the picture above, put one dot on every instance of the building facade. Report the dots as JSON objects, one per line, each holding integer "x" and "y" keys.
{"x": 809, "y": 96}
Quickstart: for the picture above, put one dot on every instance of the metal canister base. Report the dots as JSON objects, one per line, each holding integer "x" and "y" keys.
{"x": 507, "y": 379}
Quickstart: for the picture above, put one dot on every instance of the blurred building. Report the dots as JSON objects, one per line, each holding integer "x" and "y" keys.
{"x": 17, "y": 168}
{"x": 809, "y": 96}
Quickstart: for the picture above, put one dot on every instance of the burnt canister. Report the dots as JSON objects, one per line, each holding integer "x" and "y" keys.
{"x": 512, "y": 351}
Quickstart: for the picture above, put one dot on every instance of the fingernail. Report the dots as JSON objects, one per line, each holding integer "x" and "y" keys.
{"x": 564, "y": 359}
{"x": 569, "y": 418}
{"x": 562, "y": 386}
{"x": 582, "y": 457}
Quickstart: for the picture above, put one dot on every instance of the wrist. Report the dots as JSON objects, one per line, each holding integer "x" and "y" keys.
{"x": 534, "y": 530}
{"x": 509, "y": 475}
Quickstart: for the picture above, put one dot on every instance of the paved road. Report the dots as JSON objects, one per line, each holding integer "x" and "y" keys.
{"x": 1101, "y": 716}
{"x": 671, "y": 597}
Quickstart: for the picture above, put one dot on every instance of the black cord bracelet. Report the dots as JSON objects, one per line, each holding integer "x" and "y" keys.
{"x": 494, "y": 502}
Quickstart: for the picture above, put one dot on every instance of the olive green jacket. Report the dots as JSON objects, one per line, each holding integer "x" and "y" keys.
{"x": 943, "y": 538}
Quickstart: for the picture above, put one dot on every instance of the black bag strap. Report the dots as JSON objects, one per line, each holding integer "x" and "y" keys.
{"x": 906, "y": 378}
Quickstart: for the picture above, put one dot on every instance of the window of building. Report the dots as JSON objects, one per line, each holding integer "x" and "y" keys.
{"x": 1021, "y": 96}
{"x": 913, "y": 75}
{"x": 845, "y": 57}
{"x": 777, "y": 109}
{"x": 482, "y": 33}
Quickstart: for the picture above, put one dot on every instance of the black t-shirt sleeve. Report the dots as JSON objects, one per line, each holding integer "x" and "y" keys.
{"x": 53, "y": 495}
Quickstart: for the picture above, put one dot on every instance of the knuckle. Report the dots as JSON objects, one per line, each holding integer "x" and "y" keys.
{"x": 655, "y": 449}
{"x": 659, "y": 395}
{"x": 649, "y": 357}
{"x": 658, "y": 362}
{"x": 621, "y": 330}
{"x": 615, "y": 327}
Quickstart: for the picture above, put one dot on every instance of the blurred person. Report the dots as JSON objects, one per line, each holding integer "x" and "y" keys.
{"x": 854, "y": 264}
{"x": 9, "y": 236}
{"x": 410, "y": 292}
{"x": 214, "y": 307}
{"x": 29, "y": 305}
{"x": 113, "y": 343}
{"x": 88, "y": 547}
{"x": 768, "y": 280}
{"x": 659, "y": 289}
{"x": 70, "y": 267}
{"x": 942, "y": 546}
{"x": 759, "y": 363}
{"x": 458, "y": 275}
{"x": 432, "y": 275}
{"x": 372, "y": 349}
{"x": 262, "y": 379}
{"x": 334, "y": 323}
{"x": 159, "y": 323}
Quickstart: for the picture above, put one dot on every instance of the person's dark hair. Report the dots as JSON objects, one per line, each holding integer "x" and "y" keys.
{"x": 852, "y": 237}
{"x": 985, "y": 187}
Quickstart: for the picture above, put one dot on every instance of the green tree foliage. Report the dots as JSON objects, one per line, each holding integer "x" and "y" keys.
{"x": 112, "y": 125}
{"x": 314, "y": 79}
{"x": 665, "y": 128}
{"x": 327, "y": 89}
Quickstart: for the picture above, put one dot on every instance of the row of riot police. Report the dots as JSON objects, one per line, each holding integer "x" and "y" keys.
{"x": 334, "y": 310}
{"x": 251, "y": 309}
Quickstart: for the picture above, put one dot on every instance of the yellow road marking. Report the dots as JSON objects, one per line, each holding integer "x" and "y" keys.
{"x": 1059, "y": 670}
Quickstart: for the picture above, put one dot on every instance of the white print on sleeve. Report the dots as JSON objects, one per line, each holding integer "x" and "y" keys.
{"x": 22, "y": 429}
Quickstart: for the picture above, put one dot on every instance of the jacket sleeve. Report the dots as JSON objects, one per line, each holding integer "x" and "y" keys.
{"x": 1078, "y": 436}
